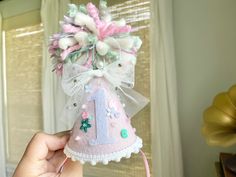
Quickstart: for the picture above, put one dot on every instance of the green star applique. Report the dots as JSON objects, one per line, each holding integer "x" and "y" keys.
{"x": 85, "y": 125}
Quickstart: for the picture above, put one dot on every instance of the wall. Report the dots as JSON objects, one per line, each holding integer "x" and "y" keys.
{"x": 205, "y": 41}
{"x": 10, "y": 8}
{"x": 20, "y": 13}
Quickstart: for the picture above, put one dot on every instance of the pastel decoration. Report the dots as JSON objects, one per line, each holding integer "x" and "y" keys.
{"x": 85, "y": 125}
{"x": 102, "y": 131}
{"x": 73, "y": 9}
{"x": 82, "y": 8}
{"x": 82, "y": 38}
{"x": 137, "y": 43}
{"x": 104, "y": 12}
{"x": 124, "y": 133}
{"x": 66, "y": 52}
{"x": 68, "y": 20}
{"x": 68, "y": 28}
{"x": 93, "y": 12}
{"x": 95, "y": 59}
{"x": 84, "y": 20}
{"x": 66, "y": 42}
{"x": 102, "y": 48}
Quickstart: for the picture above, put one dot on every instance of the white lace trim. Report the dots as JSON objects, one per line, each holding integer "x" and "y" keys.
{"x": 104, "y": 158}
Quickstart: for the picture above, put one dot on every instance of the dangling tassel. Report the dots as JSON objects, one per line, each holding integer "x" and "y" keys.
{"x": 145, "y": 163}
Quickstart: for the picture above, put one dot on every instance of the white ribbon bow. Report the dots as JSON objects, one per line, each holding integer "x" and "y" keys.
{"x": 119, "y": 74}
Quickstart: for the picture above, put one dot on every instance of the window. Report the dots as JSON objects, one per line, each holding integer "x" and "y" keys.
{"x": 22, "y": 62}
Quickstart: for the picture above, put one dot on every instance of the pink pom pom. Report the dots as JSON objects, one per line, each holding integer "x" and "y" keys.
{"x": 68, "y": 28}
{"x": 111, "y": 29}
{"x": 66, "y": 52}
{"x": 93, "y": 12}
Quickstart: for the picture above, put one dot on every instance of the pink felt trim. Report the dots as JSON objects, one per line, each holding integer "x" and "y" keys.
{"x": 104, "y": 158}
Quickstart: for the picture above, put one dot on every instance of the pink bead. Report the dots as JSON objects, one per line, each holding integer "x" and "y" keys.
{"x": 84, "y": 115}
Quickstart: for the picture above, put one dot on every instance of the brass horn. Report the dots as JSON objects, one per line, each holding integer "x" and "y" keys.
{"x": 219, "y": 126}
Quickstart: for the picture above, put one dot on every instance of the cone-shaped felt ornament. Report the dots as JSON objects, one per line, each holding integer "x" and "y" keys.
{"x": 102, "y": 131}
{"x": 96, "y": 60}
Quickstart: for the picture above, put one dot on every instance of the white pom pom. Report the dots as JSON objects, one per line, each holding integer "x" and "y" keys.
{"x": 99, "y": 64}
{"x": 137, "y": 43}
{"x": 128, "y": 155}
{"x": 64, "y": 43}
{"x": 102, "y": 48}
{"x": 126, "y": 43}
{"x": 82, "y": 38}
{"x": 82, "y": 162}
{"x": 136, "y": 151}
{"x": 84, "y": 20}
{"x": 105, "y": 162}
{"x": 118, "y": 160}
{"x": 93, "y": 163}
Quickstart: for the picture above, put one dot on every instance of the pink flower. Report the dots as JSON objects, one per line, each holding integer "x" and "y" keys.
{"x": 84, "y": 115}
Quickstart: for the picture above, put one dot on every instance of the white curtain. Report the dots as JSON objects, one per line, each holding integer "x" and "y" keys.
{"x": 166, "y": 143}
{"x": 2, "y": 138}
{"x": 52, "y": 12}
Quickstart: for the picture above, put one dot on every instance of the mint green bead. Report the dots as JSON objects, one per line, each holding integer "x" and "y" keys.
{"x": 124, "y": 133}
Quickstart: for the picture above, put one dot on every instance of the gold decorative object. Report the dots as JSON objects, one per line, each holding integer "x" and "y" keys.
{"x": 220, "y": 119}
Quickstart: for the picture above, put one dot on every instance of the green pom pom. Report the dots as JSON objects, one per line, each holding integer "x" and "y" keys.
{"x": 92, "y": 39}
{"x": 112, "y": 55}
{"x": 83, "y": 9}
{"x": 73, "y": 10}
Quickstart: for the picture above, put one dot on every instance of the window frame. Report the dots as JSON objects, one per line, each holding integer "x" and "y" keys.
{"x": 3, "y": 167}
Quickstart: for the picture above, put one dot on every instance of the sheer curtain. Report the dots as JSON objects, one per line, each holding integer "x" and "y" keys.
{"x": 2, "y": 145}
{"x": 166, "y": 145}
{"x": 52, "y": 12}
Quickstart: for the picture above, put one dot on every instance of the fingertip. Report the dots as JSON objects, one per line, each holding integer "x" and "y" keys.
{"x": 62, "y": 141}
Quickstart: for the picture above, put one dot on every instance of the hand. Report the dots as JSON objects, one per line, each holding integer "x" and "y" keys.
{"x": 43, "y": 158}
